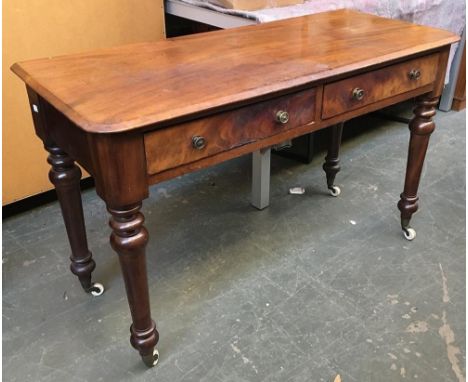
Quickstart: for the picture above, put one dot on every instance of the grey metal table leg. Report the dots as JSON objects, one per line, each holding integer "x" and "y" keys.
{"x": 261, "y": 179}
{"x": 449, "y": 90}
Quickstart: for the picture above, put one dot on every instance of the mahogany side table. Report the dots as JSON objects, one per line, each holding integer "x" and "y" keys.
{"x": 140, "y": 114}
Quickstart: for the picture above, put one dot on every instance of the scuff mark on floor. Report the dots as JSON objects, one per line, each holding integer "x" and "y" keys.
{"x": 446, "y": 332}
{"x": 445, "y": 296}
{"x": 417, "y": 327}
{"x": 27, "y": 263}
{"x": 163, "y": 191}
{"x": 403, "y": 372}
{"x": 244, "y": 358}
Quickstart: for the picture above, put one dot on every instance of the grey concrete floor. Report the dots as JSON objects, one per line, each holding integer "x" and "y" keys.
{"x": 309, "y": 288}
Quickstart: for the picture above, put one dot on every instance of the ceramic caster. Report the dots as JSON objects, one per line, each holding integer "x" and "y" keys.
{"x": 151, "y": 360}
{"x": 334, "y": 191}
{"x": 409, "y": 233}
{"x": 96, "y": 289}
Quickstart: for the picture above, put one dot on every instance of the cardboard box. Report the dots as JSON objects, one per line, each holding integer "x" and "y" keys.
{"x": 251, "y": 5}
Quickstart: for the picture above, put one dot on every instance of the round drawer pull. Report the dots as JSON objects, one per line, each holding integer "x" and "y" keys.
{"x": 282, "y": 117}
{"x": 414, "y": 74}
{"x": 358, "y": 94}
{"x": 198, "y": 142}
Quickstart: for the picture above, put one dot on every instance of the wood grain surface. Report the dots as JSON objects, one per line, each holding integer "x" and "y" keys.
{"x": 378, "y": 84}
{"x": 132, "y": 86}
{"x": 172, "y": 146}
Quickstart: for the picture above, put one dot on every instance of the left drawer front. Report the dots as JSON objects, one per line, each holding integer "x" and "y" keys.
{"x": 358, "y": 91}
{"x": 188, "y": 142}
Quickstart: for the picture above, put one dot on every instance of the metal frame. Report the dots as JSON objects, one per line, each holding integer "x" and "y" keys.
{"x": 261, "y": 179}
{"x": 205, "y": 15}
{"x": 449, "y": 91}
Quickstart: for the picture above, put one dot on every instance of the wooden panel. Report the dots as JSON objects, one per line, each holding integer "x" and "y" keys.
{"x": 34, "y": 29}
{"x": 172, "y": 147}
{"x": 135, "y": 86}
{"x": 439, "y": 82}
{"x": 378, "y": 85}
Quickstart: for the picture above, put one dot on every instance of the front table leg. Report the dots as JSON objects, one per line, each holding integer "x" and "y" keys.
{"x": 65, "y": 176}
{"x": 421, "y": 127}
{"x": 129, "y": 238}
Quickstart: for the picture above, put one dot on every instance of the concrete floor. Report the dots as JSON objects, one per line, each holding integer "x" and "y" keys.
{"x": 309, "y": 288}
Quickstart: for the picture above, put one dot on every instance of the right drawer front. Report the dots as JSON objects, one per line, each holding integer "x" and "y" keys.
{"x": 365, "y": 89}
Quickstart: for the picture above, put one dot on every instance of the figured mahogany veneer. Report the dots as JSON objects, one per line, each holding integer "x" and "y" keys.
{"x": 140, "y": 114}
{"x": 378, "y": 85}
{"x": 173, "y": 146}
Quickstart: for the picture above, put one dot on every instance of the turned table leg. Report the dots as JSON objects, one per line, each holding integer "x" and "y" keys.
{"x": 421, "y": 127}
{"x": 66, "y": 175}
{"x": 129, "y": 238}
{"x": 332, "y": 160}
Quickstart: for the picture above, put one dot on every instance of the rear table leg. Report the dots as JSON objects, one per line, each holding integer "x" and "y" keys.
{"x": 66, "y": 175}
{"x": 332, "y": 160}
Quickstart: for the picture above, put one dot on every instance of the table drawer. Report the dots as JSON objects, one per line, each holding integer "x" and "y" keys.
{"x": 188, "y": 142}
{"x": 358, "y": 91}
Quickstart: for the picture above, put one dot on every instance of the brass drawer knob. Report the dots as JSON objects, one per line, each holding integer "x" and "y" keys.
{"x": 198, "y": 142}
{"x": 414, "y": 74}
{"x": 358, "y": 94}
{"x": 282, "y": 117}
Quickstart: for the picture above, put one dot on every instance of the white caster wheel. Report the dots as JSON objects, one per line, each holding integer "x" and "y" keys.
{"x": 96, "y": 289}
{"x": 152, "y": 359}
{"x": 409, "y": 233}
{"x": 334, "y": 191}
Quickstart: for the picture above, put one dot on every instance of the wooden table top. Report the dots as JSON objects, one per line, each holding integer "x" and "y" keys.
{"x": 128, "y": 87}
